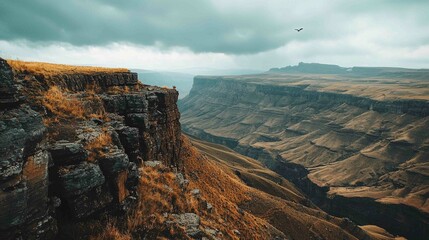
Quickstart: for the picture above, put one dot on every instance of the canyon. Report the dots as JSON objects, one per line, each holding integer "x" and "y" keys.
{"x": 93, "y": 153}
{"x": 354, "y": 140}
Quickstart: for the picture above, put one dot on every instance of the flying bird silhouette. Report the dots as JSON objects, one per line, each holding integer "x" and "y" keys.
{"x": 298, "y": 29}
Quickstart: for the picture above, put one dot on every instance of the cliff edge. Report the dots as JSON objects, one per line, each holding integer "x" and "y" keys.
{"x": 72, "y": 141}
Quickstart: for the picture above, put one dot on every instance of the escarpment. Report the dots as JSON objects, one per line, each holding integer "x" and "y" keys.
{"x": 357, "y": 146}
{"x": 72, "y": 142}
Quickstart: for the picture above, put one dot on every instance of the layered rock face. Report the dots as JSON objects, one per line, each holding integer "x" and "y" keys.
{"x": 347, "y": 138}
{"x": 23, "y": 166}
{"x": 54, "y": 171}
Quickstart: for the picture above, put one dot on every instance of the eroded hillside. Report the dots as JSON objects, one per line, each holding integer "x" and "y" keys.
{"x": 337, "y": 137}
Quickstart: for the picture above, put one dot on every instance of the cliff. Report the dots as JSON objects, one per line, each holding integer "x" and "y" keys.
{"x": 71, "y": 145}
{"x": 339, "y": 139}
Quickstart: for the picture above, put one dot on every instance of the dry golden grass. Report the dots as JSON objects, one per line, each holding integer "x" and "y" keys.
{"x": 111, "y": 232}
{"x": 263, "y": 209}
{"x": 159, "y": 194}
{"x": 225, "y": 191}
{"x": 119, "y": 89}
{"x": 251, "y": 171}
{"x": 61, "y": 105}
{"x": 51, "y": 69}
{"x": 95, "y": 147}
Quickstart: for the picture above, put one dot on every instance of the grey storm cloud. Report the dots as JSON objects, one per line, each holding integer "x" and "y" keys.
{"x": 193, "y": 24}
{"x": 233, "y": 27}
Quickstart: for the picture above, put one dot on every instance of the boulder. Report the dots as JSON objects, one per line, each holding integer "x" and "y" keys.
{"x": 66, "y": 153}
{"x": 93, "y": 200}
{"x": 153, "y": 163}
{"x": 181, "y": 181}
{"x": 114, "y": 162}
{"x": 129, "y": 137}
{"x": 187, "y": 219}
{"x": 196, "y": 192}
{"x": 83, "y": 188}
{"x": 191, "y": 223}
{"x": 80, "y": 178}
{"x": 115, "y": 168}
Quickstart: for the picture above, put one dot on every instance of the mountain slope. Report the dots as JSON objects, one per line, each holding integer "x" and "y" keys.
{"x": 289, "y": 212}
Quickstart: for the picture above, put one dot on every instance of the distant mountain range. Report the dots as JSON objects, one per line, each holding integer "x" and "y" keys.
{"x": 318, "y": 68}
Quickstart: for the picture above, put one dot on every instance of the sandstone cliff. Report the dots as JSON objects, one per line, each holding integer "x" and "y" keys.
{"x": 362, "y": 138}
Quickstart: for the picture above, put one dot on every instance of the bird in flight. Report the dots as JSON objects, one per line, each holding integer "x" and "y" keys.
{"x": 298, "y": 29}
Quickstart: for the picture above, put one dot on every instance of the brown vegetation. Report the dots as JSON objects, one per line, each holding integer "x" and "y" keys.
{"x": 236, "y": 207}
{"x": 111, "y": 232}
{"x": 222, "y": 189}
{"x": 118, "y": 89}
{"x": 51, "y": 69}
{"x": 252, "y": 172}
{"x": 160, "y": 193}
{"x": 96, "y": 146}
{"x": 63, "y": 106}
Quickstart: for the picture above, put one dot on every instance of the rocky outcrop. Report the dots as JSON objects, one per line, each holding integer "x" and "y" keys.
{"x": 153, "y": 119}
{"x": 191, "y": 223}
{"x": 24, "y": 204}
{"x": 53, "y": 172}
{"x": 330, "y": 141}
{"x": 8, "y": 90}
{"x": 81, "y": 82}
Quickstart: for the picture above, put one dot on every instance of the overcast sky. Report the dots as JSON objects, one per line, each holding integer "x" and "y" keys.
{"x": 222, "y": 34}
